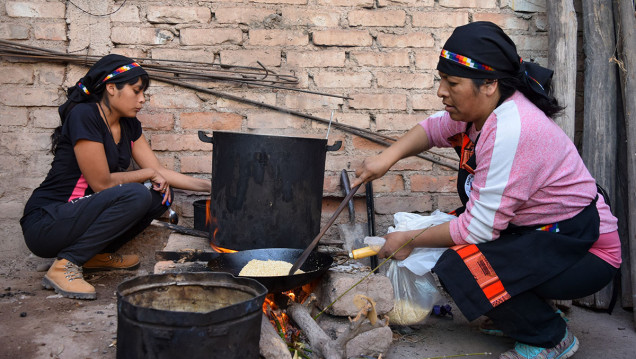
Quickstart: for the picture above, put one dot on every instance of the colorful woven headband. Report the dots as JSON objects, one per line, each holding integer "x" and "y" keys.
{"x": 81, "y": 85}
{"x": 463, "y": 60}
{"x": 120, "y": 70}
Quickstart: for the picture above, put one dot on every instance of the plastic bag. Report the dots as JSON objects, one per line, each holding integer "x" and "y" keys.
{"x": 421, "y": 260}
{"x": 414, "y": 287}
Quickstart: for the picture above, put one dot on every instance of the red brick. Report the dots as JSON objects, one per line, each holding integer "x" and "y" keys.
{"x": 448, "y": 203}
{"x": 50, "y": 74}
{"x": 530, "y": 43}
{"x": 211, "y": 121}
{"x": 174, "y": 99}
{"x": 311, "y": 101}
{"x": 313, "y": 17}
{"x": 338, "y": 163}
{"x": 178, "y": 142}
{"x": 397, "y": 121}
{"x": 378, "y": 102}
{"x": 412, "y": 163}
{"x": 322, "y": 58}
{"x": 428, "y": 183}
{"x": 404, "y": 80}
{"x": 427, "y": 60}
{"x": 294, "y": 2}
{"x": 419, "y": 3}
{"x": 29, "y": 96}
{"x": 411, "y": 203}
{"x": 35, "y": 9}
{"x": 17, "y": 74}
{"x": 411, "y": 39}
{"x": 178, "y": 14}
{"x": 377, "y": 18}
{"x": 356, "y": 3}
{"x": 363, "y": 144}
{"x": 382, "y": 59}
{"x": 389, "y": 183}
{"x": 128, "y": 13}
{"x": 232, "y": 105}
{"x": 142, "y": 36}
{"x": 505, "y": 21}
{"x": 241, "y": 15}
{"x": 167, "y": 162}
{"x": 196, "y": 164}
{"x": 211, "y": 36}
{"x": 54, "y": 32}
{"x": 360, "y": 120}
{"x": 268, "y": 57}
{"x": 14, "y": 31}
{"x": 184, "y": 55}
{"x": 13, "y": 116}
{"x": 439, "y": 19}
{"x": 343, "y": 79}
{"x": 473, "y": 4}
{"x": 156, "y": 121}
{"x": 342, "y": 38}
{"x": 266, "y": 37}
{"x": 261, "y": 120}
{"x": 45, "y": 117}
{"x": 426, "y": 102}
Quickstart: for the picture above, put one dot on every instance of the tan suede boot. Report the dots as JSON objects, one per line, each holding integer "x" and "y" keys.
{"x": 112, "y": 261}
{"x": 66, "y": 279}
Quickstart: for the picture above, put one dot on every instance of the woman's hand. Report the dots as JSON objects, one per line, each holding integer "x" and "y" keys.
{"x": 394, "y": 241}
{"x": 372, "y": 168}
{"x": 160, "y": 184}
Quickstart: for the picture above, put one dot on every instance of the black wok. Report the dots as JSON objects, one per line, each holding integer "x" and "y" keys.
{"x": 314, "y": 267}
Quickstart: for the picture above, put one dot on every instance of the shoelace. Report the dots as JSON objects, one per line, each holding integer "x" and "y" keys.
{"x": 115, "y": 257}
{"x": 73, "y": 271}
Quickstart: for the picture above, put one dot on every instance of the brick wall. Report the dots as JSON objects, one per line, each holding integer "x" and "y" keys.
{"x": 381, "y": 53}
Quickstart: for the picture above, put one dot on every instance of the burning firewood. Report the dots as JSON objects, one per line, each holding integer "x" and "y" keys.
{"x": 271, "y": 345}
{"x": 324, "y": 345}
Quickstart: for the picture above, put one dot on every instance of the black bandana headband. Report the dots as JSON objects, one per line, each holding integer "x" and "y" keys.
{"x": 109, "y": 69}
{"x": 481, "y": 50}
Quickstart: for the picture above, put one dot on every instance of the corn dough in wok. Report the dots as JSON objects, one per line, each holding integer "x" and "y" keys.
{"x": 268, "y": 268}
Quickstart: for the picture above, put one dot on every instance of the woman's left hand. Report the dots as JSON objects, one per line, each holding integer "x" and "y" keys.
{"x": 394, "y": 241}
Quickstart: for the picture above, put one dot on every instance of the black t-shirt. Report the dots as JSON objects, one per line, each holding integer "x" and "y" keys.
{"x": 65, "y": 181}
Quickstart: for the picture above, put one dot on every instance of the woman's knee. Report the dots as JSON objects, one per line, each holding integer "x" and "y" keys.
{"x": 137, "y": 196}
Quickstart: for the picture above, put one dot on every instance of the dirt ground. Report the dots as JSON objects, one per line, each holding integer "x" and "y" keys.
{"x": 37, "y": 323}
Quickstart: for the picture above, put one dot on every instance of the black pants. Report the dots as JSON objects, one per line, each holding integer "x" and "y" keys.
{"x": 530, "y": 319}
{"x": 99, "y": 223}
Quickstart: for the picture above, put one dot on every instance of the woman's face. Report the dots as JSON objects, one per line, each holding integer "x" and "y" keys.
{"x": 464, "y": 101}
{"x": 129, "y": 100}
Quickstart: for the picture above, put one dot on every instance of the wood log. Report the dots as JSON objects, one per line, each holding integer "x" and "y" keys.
{"x": 599, "y": 118}
{"x": 626, "y": 29}
{"x": 562, "y": 25}
{"x": 319, "y": 340}
{"x": 271, "y": 345}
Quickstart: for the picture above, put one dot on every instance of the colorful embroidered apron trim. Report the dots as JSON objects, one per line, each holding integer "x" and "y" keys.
{"x": 463, "y": 60}
{"x": 554, "y": 227}
{"x": 483, "y": 272}
{"x": 462, "y": 143}
{"x": 81, "y": 86}
{"x": 120, "y": 70}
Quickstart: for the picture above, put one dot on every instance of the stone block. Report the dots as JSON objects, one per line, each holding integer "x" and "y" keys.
{"x": 372, "y": 343}
{"x": 376, "y": 286}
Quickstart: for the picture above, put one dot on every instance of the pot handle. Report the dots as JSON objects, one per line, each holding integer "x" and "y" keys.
{"x": 335, "y": 147}
{"x": 203, "y": 136}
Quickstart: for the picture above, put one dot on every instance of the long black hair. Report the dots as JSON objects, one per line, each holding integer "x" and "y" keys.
{"x": 508, "y": 85}
{"x": 101, "y": 94}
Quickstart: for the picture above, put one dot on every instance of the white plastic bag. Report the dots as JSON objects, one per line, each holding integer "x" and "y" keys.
{"x": 414, "y": 287}
{"x": 421, "y": 260}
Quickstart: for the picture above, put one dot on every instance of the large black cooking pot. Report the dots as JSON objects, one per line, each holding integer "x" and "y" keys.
{"x": 189, "y": 315}
{"x": 314, "y": 267}
{"x": 266, "y": 190}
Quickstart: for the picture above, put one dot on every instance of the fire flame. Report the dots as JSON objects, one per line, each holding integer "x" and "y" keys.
{"x": 277, "y": 315}
{"x": 212, "y": 224}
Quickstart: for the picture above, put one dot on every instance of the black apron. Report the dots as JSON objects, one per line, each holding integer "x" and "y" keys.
{"x": 481, "y": 276}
